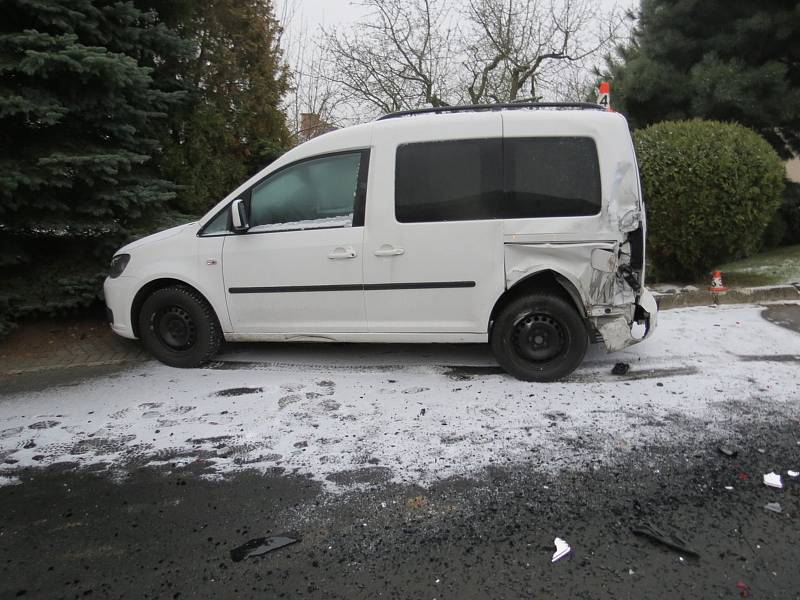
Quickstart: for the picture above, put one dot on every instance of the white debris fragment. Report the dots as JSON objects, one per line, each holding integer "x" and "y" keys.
{"x": 791, "y": 473}
{"x": 562, "y": 549}
{"x": 773, "y": 480}
{"x": 729, "y": 487}
{"x": 773, "y": 507}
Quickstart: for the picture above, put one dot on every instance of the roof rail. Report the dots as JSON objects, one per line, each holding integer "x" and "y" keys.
{"x": 490, "y": 107}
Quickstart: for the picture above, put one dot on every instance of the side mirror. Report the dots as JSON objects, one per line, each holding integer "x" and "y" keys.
{"x": 239, "y": 216}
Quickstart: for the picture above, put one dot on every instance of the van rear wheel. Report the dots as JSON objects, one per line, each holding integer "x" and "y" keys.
{"x": 179, "y": 327}
{"x": 540, "y": 337}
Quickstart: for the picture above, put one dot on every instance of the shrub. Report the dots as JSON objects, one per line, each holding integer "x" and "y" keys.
{"x": 710, "y": 188}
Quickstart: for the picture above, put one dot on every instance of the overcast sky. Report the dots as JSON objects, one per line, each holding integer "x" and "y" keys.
{"x": 302, "y": 20}
{"x": 336, "y": 12}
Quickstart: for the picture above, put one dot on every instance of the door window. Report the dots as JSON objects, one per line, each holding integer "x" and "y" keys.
{"x": 313, "y": 194}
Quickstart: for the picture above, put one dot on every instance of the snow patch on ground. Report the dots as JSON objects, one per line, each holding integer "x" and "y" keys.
{"x": 354, "y": 415}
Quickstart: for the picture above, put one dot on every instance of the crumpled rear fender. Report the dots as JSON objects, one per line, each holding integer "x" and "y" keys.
{"x": 617, "y": 331}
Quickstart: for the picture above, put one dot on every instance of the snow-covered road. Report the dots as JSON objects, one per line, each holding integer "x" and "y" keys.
{"x": 414, "y": 414}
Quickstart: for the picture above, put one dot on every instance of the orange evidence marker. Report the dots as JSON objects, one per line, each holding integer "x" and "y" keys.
{"x": 717, "y": 286}
{"x": 604, "y": 95}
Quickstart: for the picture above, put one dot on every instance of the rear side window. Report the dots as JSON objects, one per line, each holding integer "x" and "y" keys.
{"x": 551, "y": 177}
{"x": 448, "y": 181}
{"x": 516, "y": 178}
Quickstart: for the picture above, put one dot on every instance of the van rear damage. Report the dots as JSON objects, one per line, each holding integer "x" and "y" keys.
{"x": 604, "y": 277}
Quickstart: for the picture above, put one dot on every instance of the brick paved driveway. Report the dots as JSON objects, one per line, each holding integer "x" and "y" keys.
{"x": 49, "y": 345}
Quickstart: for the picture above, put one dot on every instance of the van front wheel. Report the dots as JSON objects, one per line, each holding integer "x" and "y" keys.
{"x": 179, "y": 327}
{"x": 540, "y": 337}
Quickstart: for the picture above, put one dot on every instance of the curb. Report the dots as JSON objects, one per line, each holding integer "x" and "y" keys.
{"x": 64, "y": 366}
{"x": 685, "y": 297}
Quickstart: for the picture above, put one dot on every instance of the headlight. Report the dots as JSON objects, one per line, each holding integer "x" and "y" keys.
{"x": 118, "y": 264}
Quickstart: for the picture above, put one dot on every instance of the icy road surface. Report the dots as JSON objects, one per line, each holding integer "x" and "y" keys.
{"x": 414, "y": 414}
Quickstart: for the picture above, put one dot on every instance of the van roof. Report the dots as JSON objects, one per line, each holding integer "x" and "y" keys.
{"x": 356, "y": 136}
{"x": 493, "y": 107}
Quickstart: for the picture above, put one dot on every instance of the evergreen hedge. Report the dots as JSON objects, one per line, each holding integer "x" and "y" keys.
{"x": 79, "y": 114}
{"x": 118, "y": 118}
{"x": 710, "y": 189}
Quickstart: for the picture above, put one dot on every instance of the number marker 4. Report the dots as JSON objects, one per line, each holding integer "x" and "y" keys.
{"x": 604, "y": 95}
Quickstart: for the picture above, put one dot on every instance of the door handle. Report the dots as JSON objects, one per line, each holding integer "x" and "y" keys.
{"x": 340, "y": 253}
{"x": 389, "y": 250}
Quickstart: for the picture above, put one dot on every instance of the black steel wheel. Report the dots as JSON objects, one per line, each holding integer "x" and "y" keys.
{"x": 539, "y": 337}
{"x": 175, "y": 328}
{"x": 179, "y": 327}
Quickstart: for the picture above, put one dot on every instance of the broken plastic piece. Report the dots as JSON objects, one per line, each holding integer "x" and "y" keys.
{"x": 729, "y": 487}
{"x": 562, "y": 549}
{"x": 729, "y": 452}
{"x": 773, "y": 507}
{"x": 260, "y": 546}
{"x": 620, "y": 369}
{"x": 791, "y": 473}
{"x": 669, "y": 540}
{"x": 773, "y": 480}
{"x": 744, "y": 589}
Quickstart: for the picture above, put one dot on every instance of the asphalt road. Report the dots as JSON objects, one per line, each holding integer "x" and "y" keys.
{"x": 125, "y": 519}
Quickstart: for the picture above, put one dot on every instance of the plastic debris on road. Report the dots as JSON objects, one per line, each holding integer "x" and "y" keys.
{"x": 773, "y": 480}
{"x": 744, "y": 589}
{"x": 670, "y": 540}
{"x": 260, "y": 546}
{"x": 562, "y": 549}
{"x": 729, "y": 452}
{"x": 773, "y": 507}
{"x": 791, "y": 473}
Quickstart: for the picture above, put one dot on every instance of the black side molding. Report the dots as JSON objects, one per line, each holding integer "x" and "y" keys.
{"x": 423, "y": 285}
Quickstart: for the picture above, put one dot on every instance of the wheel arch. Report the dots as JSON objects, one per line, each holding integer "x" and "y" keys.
{"x": 545, "y": 280}
{"x": 157, "y": 284}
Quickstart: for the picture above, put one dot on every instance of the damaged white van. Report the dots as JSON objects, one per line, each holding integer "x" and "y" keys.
{"x": 518, "y": 225}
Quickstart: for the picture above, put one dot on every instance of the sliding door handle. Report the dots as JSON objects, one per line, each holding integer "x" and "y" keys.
{"x": 389, "y": 250}
{"x": 340, "y": 253}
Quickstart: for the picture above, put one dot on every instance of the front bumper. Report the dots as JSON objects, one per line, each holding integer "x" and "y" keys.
{"x": 617, "y": 331}
{"x": 119, "y": 293}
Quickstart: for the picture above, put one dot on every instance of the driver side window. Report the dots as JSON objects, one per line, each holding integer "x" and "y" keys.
{"x": 313, "y": 194}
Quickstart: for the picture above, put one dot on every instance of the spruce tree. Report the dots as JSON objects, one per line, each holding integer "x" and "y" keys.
{"x": 232, "y": 126}
{"x": 79, "y": 116}
{"x": 715, "y": 59}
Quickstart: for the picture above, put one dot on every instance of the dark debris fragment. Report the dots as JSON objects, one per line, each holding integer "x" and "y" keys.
{"x": 620, "y": 369}
{"x": 261, "y": 546}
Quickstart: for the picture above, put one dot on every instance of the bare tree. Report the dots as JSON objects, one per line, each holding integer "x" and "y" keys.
{"x": 519, "y": 47}
{"x": 407, "y": 54}
{"x": 313, "y": 92}
{"x": 399, "y": 57}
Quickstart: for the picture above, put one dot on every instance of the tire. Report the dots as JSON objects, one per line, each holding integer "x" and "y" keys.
{"x": 178, "y": 326}
{"x": 540, "y": 337}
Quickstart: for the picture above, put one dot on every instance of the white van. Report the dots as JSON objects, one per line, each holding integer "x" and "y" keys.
{"x": 519, "y": 225}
